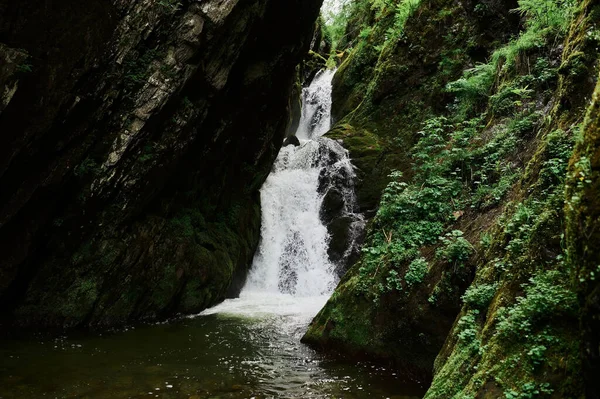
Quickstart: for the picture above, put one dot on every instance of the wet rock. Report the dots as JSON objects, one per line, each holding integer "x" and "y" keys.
{"x": 333, "y": 204}
{"x": 292, "y": 140}
{"x": 340, "y": 211}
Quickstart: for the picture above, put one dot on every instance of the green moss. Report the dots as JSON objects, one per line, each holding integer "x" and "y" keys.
{"x": 529, "y": 335}
{"x": 372, "y": 163}
{"x": 583, "y": 235}
{"x": 336, "y": 321}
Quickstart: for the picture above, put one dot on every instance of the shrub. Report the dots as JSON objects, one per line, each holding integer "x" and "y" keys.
{"x": 394, "y": 282}
{"x": 546, "y": 296}
{"x": 456, "y": 249}
{"x": 480, "y": 296}
{"x": 417, "y": 270}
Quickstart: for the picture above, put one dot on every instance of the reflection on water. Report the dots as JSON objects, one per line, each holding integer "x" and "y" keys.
{"x": 244, "y": 348}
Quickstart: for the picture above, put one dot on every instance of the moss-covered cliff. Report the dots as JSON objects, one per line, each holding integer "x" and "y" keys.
{"x": 525, "y": 338}
{"x": 465, "y": 260}
{"x": 583, "y": 238}
{"x": 135, "y": 137}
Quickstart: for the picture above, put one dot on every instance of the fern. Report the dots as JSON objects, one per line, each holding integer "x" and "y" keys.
{"x": 544, "y": 14}
{"x": 404, "y": 10}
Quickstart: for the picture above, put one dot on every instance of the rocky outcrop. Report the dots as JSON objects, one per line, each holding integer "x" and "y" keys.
{"x": 385, "y": 89}
{"x": 538, "y": 287}
{"x": 340, "y": 212}
{"x": 136, "y": 135}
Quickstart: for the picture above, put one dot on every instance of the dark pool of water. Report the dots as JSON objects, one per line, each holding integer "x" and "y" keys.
{"x": 213, "y": 356}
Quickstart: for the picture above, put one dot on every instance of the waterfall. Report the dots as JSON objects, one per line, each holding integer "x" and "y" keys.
{"x": 292, "y": 257}
{"x": 292, "y": 270}
{"x": 315, "y": 120}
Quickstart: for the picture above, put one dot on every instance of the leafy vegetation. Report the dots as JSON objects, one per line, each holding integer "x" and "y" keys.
{"x": 480, "y": 296}
{"x": 481, "y": 201}
{"x": 417, "y": 270}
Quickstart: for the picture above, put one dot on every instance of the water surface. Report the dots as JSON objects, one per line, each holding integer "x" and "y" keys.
{"x": 245, "y": 348}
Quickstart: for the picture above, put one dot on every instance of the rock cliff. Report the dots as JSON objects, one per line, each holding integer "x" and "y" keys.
{"x": 135, "y": 135}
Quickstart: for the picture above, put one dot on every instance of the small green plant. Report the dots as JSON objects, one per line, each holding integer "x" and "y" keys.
{"x": 394, "y": 281}
{"x": 417, "y": 270}
{"x": 365, "y": 33}
{"x": 537, "y": 355}
{"x": 546, "y": 296}
{"x": 529, "y": 390}
{"x": 509, "y": 98}
{"x": 519, "y": 229}
{"x": 468, "y": 331}
{"x": 473, "y": 89}
{"x": 559, "y": 147}
{"x": 485, "y": 240}
{"x": 455, "y": 249}
{"x": 433, "y": 298}
{"x": 404, "y": 10}
{"x": 480, "y": 296}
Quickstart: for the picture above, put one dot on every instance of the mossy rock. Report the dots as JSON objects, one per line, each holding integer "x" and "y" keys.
{"x": 369, "y": 158}
{"x": 583, "y": 239}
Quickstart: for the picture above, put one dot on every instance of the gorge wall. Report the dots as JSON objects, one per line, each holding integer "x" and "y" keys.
{"x": 135, "y": 135}
{"x": 462, "y": 118}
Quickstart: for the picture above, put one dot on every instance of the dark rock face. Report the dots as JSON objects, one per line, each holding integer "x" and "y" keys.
{"x": 135, "y": 137}
{"x": 368, "y": 155}
{"x": 340, "y": 212}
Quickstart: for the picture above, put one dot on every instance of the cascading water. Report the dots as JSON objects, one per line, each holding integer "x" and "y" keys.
{"x": 293, "y": 272}
{"x": 292, "y": 257}
{"x": 315, "y": 120}
{"x": 292, "y": 267}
